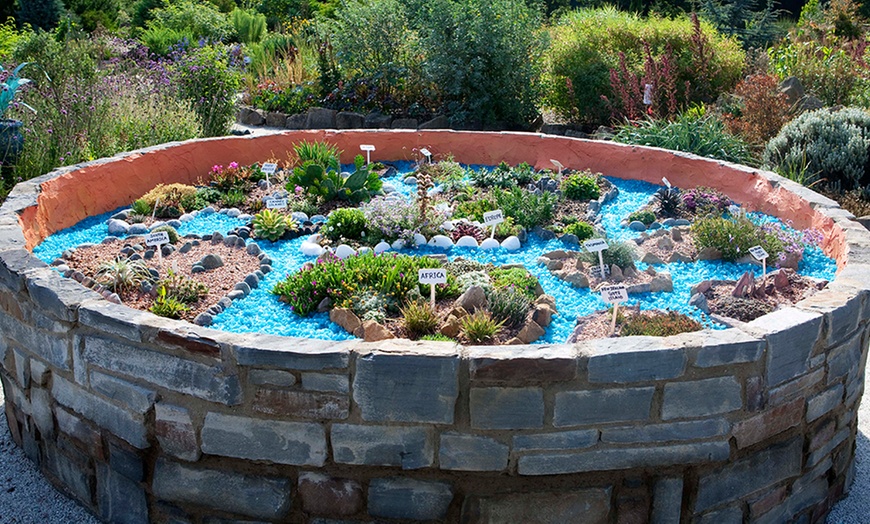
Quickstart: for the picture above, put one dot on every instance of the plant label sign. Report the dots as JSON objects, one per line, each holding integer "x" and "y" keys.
{"x": 493, "y": 218}
{"x": 368, "y": 148}
{"x": 432, "y": 276}
{"x": 269, "y": 168}
{"x": 760, "y": 254}
{"x": 428, "y": 154}
{"x": 666, "y": 182}
{"x": 558, "y": 165}
{"x": 157, "y": 239}
{"x": 595, "y": 245}
{"x": 599, "y": 269}
{"x": 276, "y": 203}
{"x": 614, "y": 294}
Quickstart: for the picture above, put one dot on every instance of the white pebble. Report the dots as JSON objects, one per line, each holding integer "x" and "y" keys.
{"x": 398, "y": 244}
{"x": 310, "y": 249}
{"x": 489, "y": 243}
{"x": 466, "y": 241}
{"x": 343, "y": 251}
{"x": 419, "y": 239}
{"x": 381, "y": 247}
{"x": 441, "y": 241}
{"x": 511, "y": 243}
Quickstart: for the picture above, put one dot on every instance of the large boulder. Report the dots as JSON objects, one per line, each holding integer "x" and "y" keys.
{"x": 472, "y": 299}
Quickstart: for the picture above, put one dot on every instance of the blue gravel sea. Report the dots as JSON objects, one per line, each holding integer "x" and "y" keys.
{"x": 262, "y": 312}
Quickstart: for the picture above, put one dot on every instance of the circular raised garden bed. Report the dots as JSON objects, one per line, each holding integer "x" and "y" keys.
{"x": 147, "y": 419}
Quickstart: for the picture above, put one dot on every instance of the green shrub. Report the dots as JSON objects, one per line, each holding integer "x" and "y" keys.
{"x": 40, "y": 14}
{"x": 234, "y": 198}
{"x": 582, "y": 230}
{"x": 160, "y": 40}
{"x": 346, "y": 222}
{"x": 249, "y": 27}
{"x": 525, "y": 207}
{"x": 167, "y": 306}
{"x": 479, "y": 326}
{"x": 620, "y": 254}
{"x": 587, "y": 44}
{"x": 474, "y": 209}
{"x": 185, "y": 290}
{"x": 754, "y": 25}
{"x": 658, "y": 324}
{"x": 93, "y": 13}
{"x": 437, "y": 337}
{"x": 509, "y": 305}
{"x": 645, "y": 216}
{"x": 517, "y": 278}
{"x": 209, "y": 81}
{"x": 122, "y": 274}
{"x": 201, "y": 20}
{"x": 323, "y": 154}
{"x": 419, "y": 318}
{"x": 734, "y": 236}
{"x": 581, "y": 186}
{"x": 668, "y": 200}
{"x": 141, "y": 207}
{"x": 704, "y": 136}
{"x": 483, "y": 55}
{"x": 830, "y": 144}
{"x": 272, "y": 225}
{"x": 503, "y": 176}
{"x": 331, "y": 185}
{"x": 480, "y": 279}
{"x": 169, "y": 230}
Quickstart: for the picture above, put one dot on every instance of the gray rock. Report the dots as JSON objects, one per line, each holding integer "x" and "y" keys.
{"x": 403, "y": 498}
{"x": 439, "y": 122}
{"x": 217, "y": 238}
{"x": 793, "y": 89}
{"x": 377, "y": 120}
{"x": 252, "y": 281}
{"x": 235, "y": 295}
{"x": 167, "y": 249}
{"x": 197, "y": 268}
{"x": 570, "y": 239}
{"x": 699, "y": 300}
{"x": 117, "y": 227}
{"x": 637, "y": 225}
{"x": 472, "y": 299}
{"x": 253, "y": 117}
{"x": 121, "y": 215}
{"x": 137, "y": 229}
{"x": 709, "y": 253}
{"x": 682, "y": 222}
{"x": 203, "y": 319}
{"x": 296, "y": 121}
{"x": 230, "y": 240}
{"x": 654, "y": 225}
{"x": 233, "y": 212}
{"x": 544, "y": 234}
{"x": 320, "y": 118}
{"x": 650, "y": 258}
{"x": 243, "y": 287}
{"x": 185, "y": 248}
{"x": 661, "y": 283}
{"x": 404, "y": 123}
{"x": 275, "y": 119}
{"x": 211, "y": 261}
{"x": 174, "y": 224}
{"x": 349, "y": 120}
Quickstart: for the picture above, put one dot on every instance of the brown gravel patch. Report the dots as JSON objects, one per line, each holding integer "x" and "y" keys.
{"x": 683, "y": 243}
{"x": 237, "y": 264}
{"x": 767, "y": 298}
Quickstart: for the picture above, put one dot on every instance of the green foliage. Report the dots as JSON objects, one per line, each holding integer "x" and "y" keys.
{"x": 169, "y": 230}
{"x": 391, "y": 275}
{"x": 645, "y": 216}
{"x": 669, "y": 201}
{"x": 331, "y": 185}
{"x": 587, "y": 44}
{"x": 40, "y": 14}
{"x": 469, "y": 279}
{"x": 272, "y": 225}
{"x": 484, "y": 56}
{"x": 754, "y": 25}
{"x": 204, "y": 197}
{"x": 702, "y": 136}
{"x": 830, "y": 73}
{"x": 122, "y": 274}
{"x": 181, "y": 288}
{"x": 474, "y": 209}
{"x": 370, "y": 304}
{"x": 201, "y": 20}
{"x": 658, "y": 324}
{"x": 525, "y": 207}
{"x": 168, "y": 198}
{"x": 503, "y": 176}
{"x": 167, "y": 306}
{"x": 94, "y": 13}
{"x": 234, "y": 198}
{"x": 479, "y": 326}
{"x": 141, "y": 207}
{"x": 346, "y": 222}
{"x": 420, "y": 318}
{"x": 581, "y": 186}
{"x": 142, "y": 12}
{"x": 582, "y": 230}
{"x": 437, "y": 337}
{"x": 830, "y": 144}
{"x": 509, "y": 305}
{"x": 209, "y": 82}
{"x": 160, "y": 40}
{"x": 323, "y": 154}
{"x": 460, "y": 266}
{"x": 734, "y": 236}
{"x": 621, "y": 254}
{"x": 705, "y": 201}
{"x": 249, "y": 27}
{"x": 9, "y": 37}
{"x": 517, "y": 278}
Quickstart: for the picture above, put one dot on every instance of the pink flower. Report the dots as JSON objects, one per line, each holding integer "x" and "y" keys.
{"x": 234, "y": 165}
{"x": 299, "y": 190}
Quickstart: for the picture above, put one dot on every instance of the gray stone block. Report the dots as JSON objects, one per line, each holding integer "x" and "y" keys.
{"x": 22, "y": 368}
{"x": 272, "y": 377}
{"x": 841, "y": 308}
{"x": 325, "y": 495}
{"x": 404, "y": 123}
{"x": 623, "y": 458}
{"x": 134, "y": 397}
{"x": 73, "y": 473}
{"x": 843, "y": 359}
{"x": 824, "y": 402}
{"x": 175, "y": 431}
{"x": 586, "y": 506}
{"x": 296, "y": 121}
{"x": 52, "y": 348}
{"x": 405, "y": 447}
{"x": 320, "y": 118}
{"x": 791, "y": 335}
{"x": 576, "y": 408}
{"x": 507, "y": 408}
{"x": 701, "y": 398}
{"x": 57, "y": 296}
{"x": 40, "y": 408}
{"x": 302, "y": 404}
{"x": 726, "y": 347}
{"x": 732, "y": 513}
{"x": 349, "y": 120}
{"x": 78, "y": 429}
{"x": 738, "y": 479}
{"x": 634, "y": 359}
{"x": 667, "y": 500}
{"x": 328, "y": 382}
{"x": 126, "y": 462}
{"x": 14, "y": 264}
{"x": 119, "y": 499}
{"x": 674, "y": 431}
{"x": 294, "y": 443}
{"x": 178, "y": 374}
{"x": 251, "y": 496}
{"x": 127, "y": 425}
{"x": 39, "y": 372}
{"x": 577, "y": 439}
{"x": 406, "y": 388}
{"x": 378, "y": 121}
{"x": 112, "y": 318}
{"x": 403, "y": 498}
{"x": 462, "y": 452}
{"x": 820, "y": 454}
{"x": 291, "y": 353}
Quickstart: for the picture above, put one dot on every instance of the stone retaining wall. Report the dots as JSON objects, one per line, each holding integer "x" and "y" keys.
{"x": 147, "y": 419}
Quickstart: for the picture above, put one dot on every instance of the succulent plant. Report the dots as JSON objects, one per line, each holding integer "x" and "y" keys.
{"x": 122, "y": 274}
{"x": 669, "y": 200}
{"x": 462, "y": 229}
{"x": 272, "y": 225}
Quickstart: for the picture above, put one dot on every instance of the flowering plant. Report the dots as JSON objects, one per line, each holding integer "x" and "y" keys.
{"x": 391, "y": 220}
{"x": 705, "y": 201}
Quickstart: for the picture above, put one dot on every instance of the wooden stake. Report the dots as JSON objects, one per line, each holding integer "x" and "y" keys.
{"x": 613, "y": 322}
{"x": 601, "y": 264}
{"x": 432, "y": 295}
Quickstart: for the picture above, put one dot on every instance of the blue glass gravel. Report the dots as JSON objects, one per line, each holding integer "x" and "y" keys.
{"x": 262, "y": 312}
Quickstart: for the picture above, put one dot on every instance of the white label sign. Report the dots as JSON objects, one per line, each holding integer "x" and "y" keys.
{"x": 366, "y": 147}
{"x": 558, "y": 164}
{"x": 758, "y": 252}
{"x": 276, "y": 203}
{"x": 666, "y": 182}
{"x": 157, "y": 239}
{"x": 597, "y": 269}
{"x": 269, "y": 168}
{"x": 491, "y": 218}
{"x": 425, "y": 152}
{"x": 614, "y": 294}
{"x": 432, "y": 276}
{"x": 595, "y": 244}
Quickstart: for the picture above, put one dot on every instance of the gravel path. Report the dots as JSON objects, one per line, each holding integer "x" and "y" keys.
{"x": 27, "y": 498}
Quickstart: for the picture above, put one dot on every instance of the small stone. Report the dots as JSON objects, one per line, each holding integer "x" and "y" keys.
{"x": 629, "y": 273}
{"x": 637, "y": 225}
{"x": 575, "y": 278}
{"x": 665, "y": 243}
{"x": 780, "y": 280}
{"x": 682, "y": 222}
{"x": 661, "y": 283}
{"x": 616, "y": 274}
{"x": 441, "y": 241}
{"x": 344, "y": 251}
{"x": 230, "y": 240}
{"x": 544, "y": 234}
{"x": 570, "y": 239}
{"x": 252, "y": 281}
{"x": 252, "y": 249}
{"x": 701, "y": 287}
{"x": 345, "y": 318}
{"x": 138, "y": 229}
{"x": 472, "y": 299}
{"x": 165, "y": 250}
{"x": 411, "y": 180}
{"x": 324, "y": 305}
{"x": 310, "y": 249}
{"x": 217, "y": 237}
{"x": 374, "y": 332}
{"x": 203, "y": 319}
{"x": 650, "y": 258}
{"x": 381, "y": 247}
{"x": 149, "y": 254}
{"x": 211, "y": 261}
{"x": 530, "y": 332}
{"x": 489, "y": 243}
{"x": 676, "y": 235}
{"x": 243, "y": 287}
{"x": 511, "y": 243}
{"x": 235, "y": 295}
{"x": 547, "y": 300}
{"x": 676, "y": 256}
{"x": 185, "y": 248}
{"x": 542, "y": 315}
{"x": 451, "y": 327}
{"x": 655, "y": 225}
{"x": 554, "y": 265}
{"x": 699, "y": 300}
{"x": 118, "y": 227}
{"x": 466, "y": 241}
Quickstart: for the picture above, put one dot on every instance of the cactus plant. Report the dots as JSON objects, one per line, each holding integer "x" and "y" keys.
{"x": 272, "y": 225}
